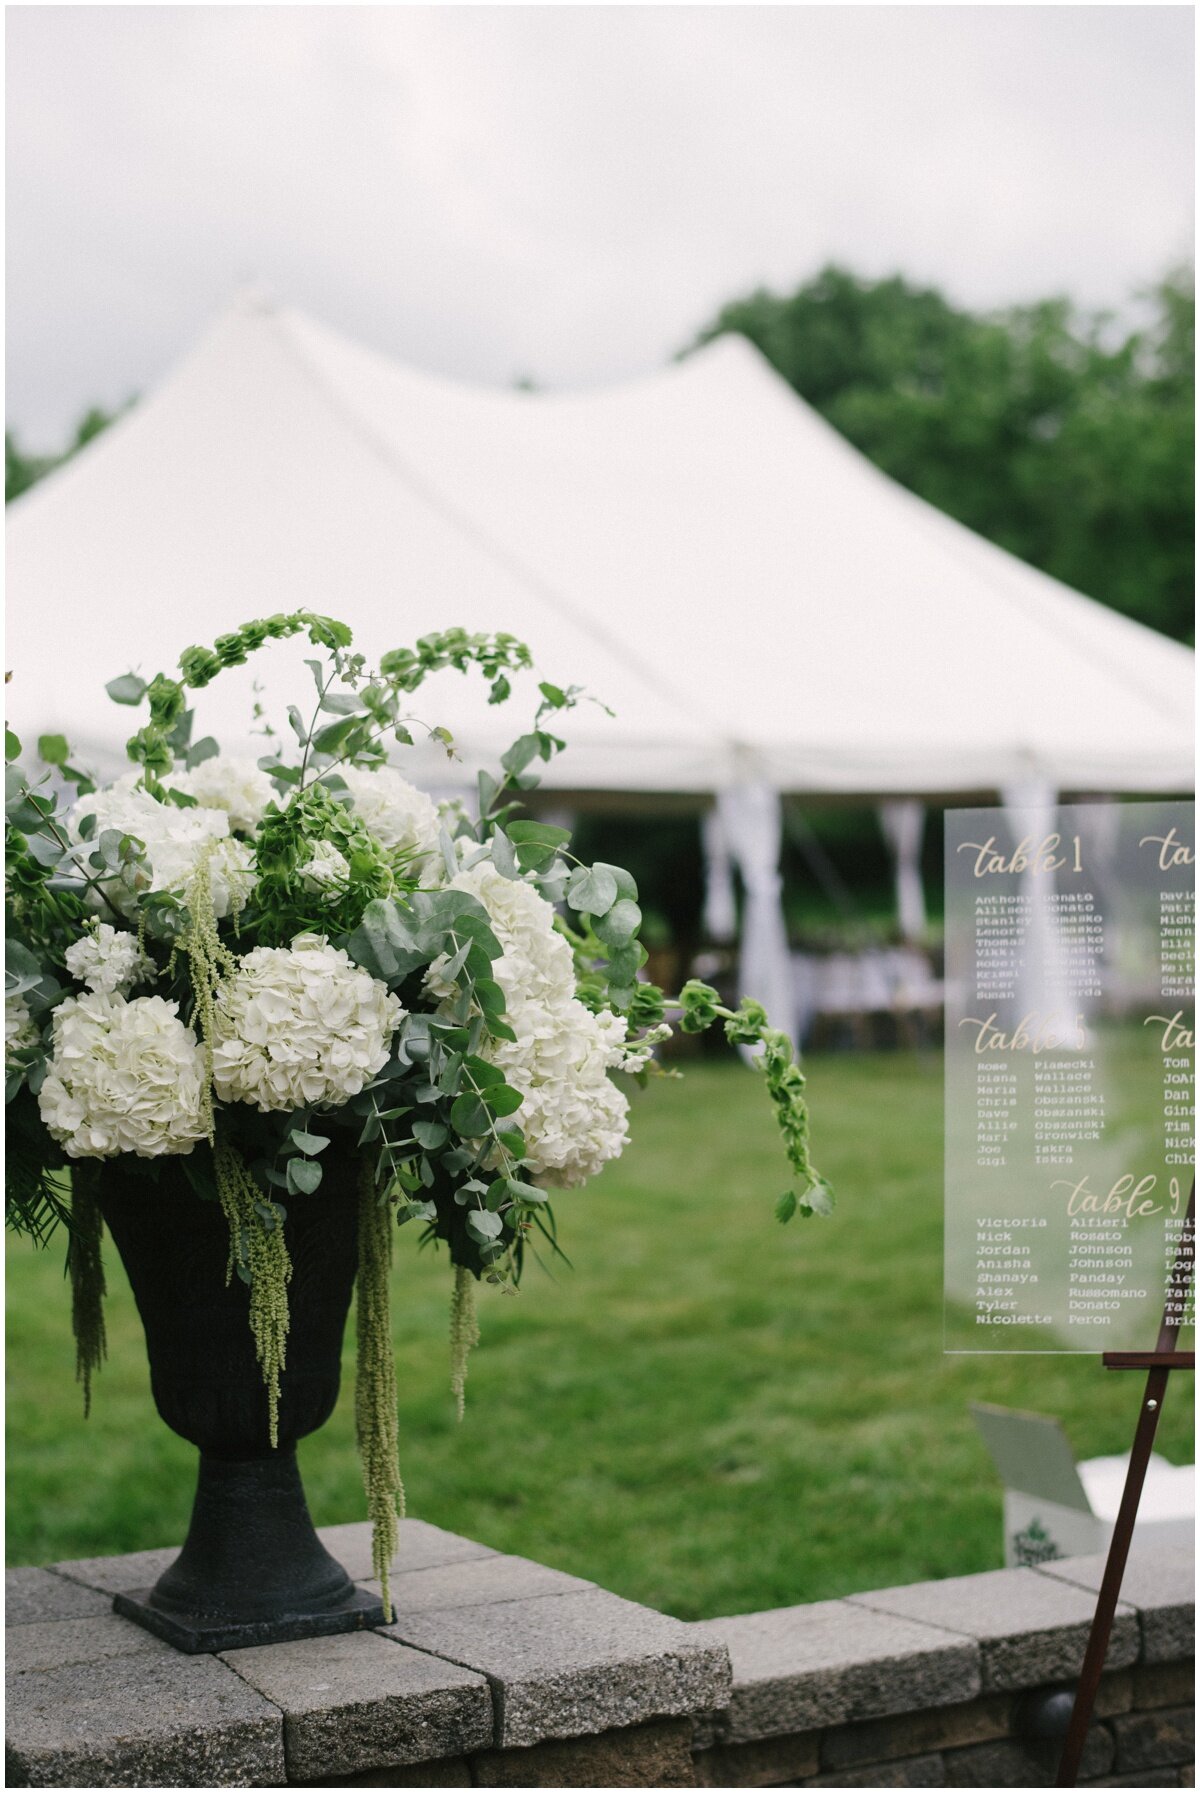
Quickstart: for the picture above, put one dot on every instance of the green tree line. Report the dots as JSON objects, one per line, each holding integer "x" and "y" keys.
{"x": 1057, "y": 434}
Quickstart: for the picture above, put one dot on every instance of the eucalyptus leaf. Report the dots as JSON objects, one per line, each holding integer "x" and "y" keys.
{"x": 204, "y": 749}
{"x": 503, "y": 857}
{"x": 485, "y": 1076}
{"x": 453, "y": 966}
{"x": 309, "y": 1142}
{"x": 620, "y": 924}
{"x": 490, "y": 996}
{"x": 592, "y": 890}
{"x": 387, "y": 943}
{"x": 540, "y": 834}
{"x": 449, "y": 854}
{"x": 342, "y": 703}
{"x": 520, "y": 753}
{"x": 626, "y": 886}
{"x": 47, "y": 851}
{"x": 488, "y": 791}
{"x": 335, "y": 734}
{"x": 469, "y": 1117}
{"x": 624, "y": 962}
{"x": 304, "y": 1174}
{"x": 128, "y": 689}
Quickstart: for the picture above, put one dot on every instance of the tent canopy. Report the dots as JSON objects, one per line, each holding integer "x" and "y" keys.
{"x": 754, "y": 600}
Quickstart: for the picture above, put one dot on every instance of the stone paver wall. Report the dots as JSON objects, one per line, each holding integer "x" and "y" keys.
{"x": 499, "y": 1672}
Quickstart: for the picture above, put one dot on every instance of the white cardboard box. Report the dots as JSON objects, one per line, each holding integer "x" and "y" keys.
{"x": 1056, "y": 1507}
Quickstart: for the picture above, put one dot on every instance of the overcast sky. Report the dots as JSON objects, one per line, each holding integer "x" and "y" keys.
{"x": 563, "y": 192}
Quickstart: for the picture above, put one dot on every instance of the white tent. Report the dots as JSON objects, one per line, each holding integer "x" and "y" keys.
{"x": 762, "y": 609}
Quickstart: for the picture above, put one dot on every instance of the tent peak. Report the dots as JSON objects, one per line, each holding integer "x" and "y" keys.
{"x": 254, "y": 298}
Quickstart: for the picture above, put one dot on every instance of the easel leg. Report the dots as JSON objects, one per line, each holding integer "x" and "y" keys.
{"x": 1110, "y": 1587}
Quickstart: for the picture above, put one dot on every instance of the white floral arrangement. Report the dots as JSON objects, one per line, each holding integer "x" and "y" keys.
{"x": 240, "y": 963}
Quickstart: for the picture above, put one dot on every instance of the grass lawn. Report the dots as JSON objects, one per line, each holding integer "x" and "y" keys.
{"x": 711, "y": 1414}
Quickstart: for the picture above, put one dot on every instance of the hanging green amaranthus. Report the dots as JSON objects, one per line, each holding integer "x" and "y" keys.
{"x": 87, "y": 1284}
{"x": 375, "y": 1401}
{"x": 258, "y": 1252}
{"x": 464, "y": 1334}
{"x": 209, "y": 960}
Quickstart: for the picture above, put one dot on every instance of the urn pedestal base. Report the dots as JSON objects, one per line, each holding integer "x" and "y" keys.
{"x": 252, "y": 1569}
{"x": 197, "y": 1634}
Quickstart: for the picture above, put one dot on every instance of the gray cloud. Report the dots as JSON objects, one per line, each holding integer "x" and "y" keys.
{"x": 563, "y": 191}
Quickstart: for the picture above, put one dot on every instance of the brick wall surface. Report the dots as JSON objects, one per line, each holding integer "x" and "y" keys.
{"x": 502, "y": 1673}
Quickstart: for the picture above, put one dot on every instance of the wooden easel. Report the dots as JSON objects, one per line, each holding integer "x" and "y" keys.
{"x": 1160, "y": 1362}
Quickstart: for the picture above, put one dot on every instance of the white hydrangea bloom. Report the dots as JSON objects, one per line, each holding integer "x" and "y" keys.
{"x": 397, "y": 813}
{"x": 328, "y": 871}
{"x": 537, "y": 962}
{"x": 20, "y": 1028}
{"x": 174, "y": 838}
{"x": 123, "y": 1077}
{"x": 300, "y": 1024}
{"x": 228, "y": 782}
{"x": 573, "y": 1117}
{"x": 108, "y": 959}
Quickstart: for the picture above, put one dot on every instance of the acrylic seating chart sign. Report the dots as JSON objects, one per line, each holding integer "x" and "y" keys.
{"x": 1070, "y": 1055}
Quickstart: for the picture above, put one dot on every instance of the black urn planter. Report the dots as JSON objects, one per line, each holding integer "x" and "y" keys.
{"x": 252, "y": 1569}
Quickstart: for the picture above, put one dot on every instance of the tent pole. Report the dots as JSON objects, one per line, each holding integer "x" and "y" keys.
{"x": 751, "y": 817}
{"x": 903, "y": 824}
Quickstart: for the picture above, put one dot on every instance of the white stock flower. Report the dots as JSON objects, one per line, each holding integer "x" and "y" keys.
{"x": 123, "y": 1077}
{"x": 396, "y": 812}
{"x": 174, "y": 839}
{"x": 108, "y": 959}
{"x": 300, "y": 1024}
{"x": 20, "y": 1028}
{"x": 327, "y": 872}
{"x": 236, "y": 785}
{"x": 573, "y": 1118}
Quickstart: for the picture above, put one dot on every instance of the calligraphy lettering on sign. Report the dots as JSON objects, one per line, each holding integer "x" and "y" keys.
{"x": 1129, "y": 1196}
{"x": 1070, "y": 1038}
{"x": 1171, "y": 850}
{"x": 1025, "y": 856}
{"x": 1033, "y": 1033}
{"x": 1175, "y": 1036}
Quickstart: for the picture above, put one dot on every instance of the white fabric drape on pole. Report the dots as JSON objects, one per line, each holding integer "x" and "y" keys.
{"x": 1041, "y": 985}
{"x": 720, "y": 900}
{"x": 903, "y": 823}
{"x": 751, "y": 817}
